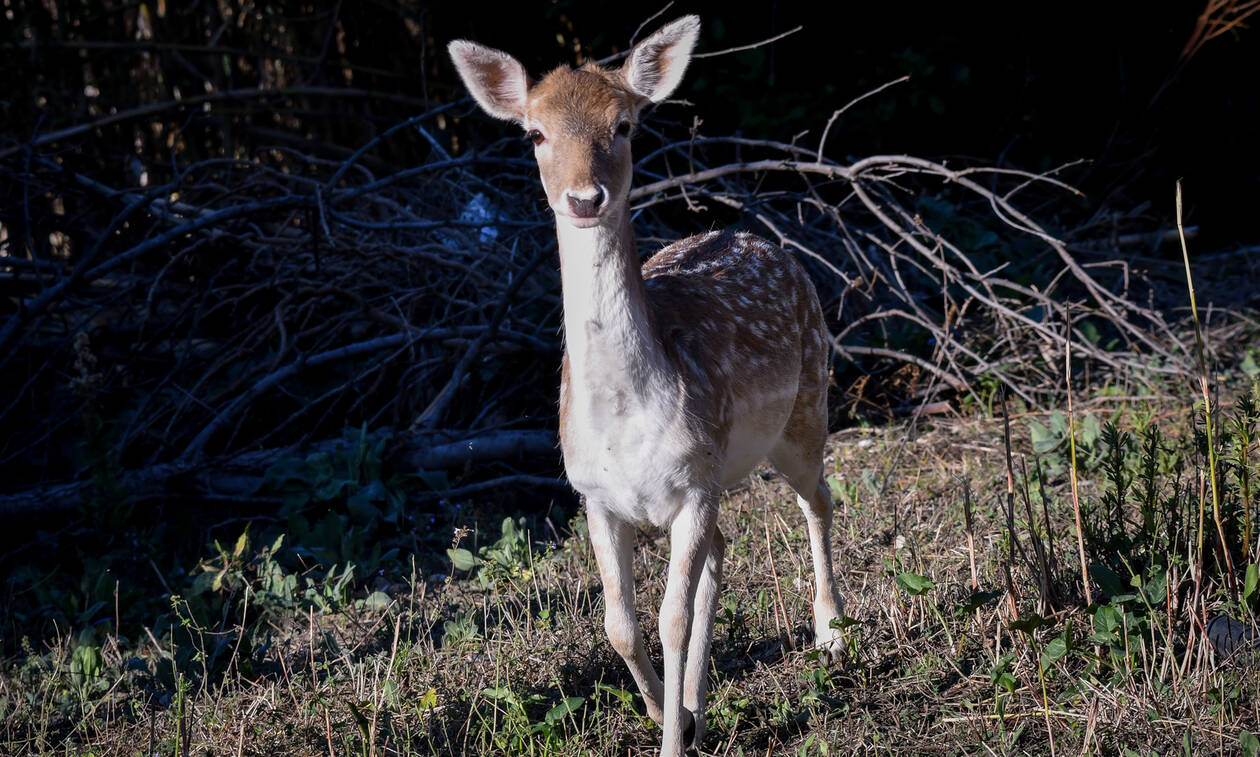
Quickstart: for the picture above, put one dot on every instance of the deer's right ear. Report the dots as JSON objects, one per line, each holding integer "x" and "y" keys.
{"x": 495, "y": 79}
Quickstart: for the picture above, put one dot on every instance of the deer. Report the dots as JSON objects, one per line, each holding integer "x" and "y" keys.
{"x": 679, "y": 375}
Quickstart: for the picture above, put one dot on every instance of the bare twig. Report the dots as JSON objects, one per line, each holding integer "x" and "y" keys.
{"x": 752, "y": 46}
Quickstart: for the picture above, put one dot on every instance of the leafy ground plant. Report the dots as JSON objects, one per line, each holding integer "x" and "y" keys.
{"x": 498, "y": 648}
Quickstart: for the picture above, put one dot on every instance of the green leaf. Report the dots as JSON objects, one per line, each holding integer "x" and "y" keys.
{"x": 242, "y": 542}
{"x": 1090, "y": 331}
{"x": 1107, "y": 579}
{"x": 462, "y": 559}
{"x": 837, "y": 489}
{"x": 377, "y": 600}
{"x": 1251, "y": 368}
{"x": 1091, "y": 429}
{"x": 280, "y": 472}
{"x": 623, "y": 696}
{"x": 364, "y": 505}
{"x": 915, "y": 584}
{"x": 1057, "y": 647}
{"x": 359, "y": 719}
{"x": 562, "y": 710}
{"x": 1029, "y": 623}
{"x": 86, "y": 663}
{"x": 435, "y": 480}
{"x": 977, "y": 600}
{"x": 1249, "y": 583}
{"x": 294, "y": 500}
{"x": 370, "y": 493}
{"x": 1000, "y": 675}
{"x": 330, "y": 489}
{"x": 843, "y": 623}
{"x": 1156, "y": 586}
{"x": 1043, "y": 439}
{"x": 354, "y": 463}
{"x": 1107, "y": 619}
{"x": 204, "y": 582}
{"x": 1250, "y": 744}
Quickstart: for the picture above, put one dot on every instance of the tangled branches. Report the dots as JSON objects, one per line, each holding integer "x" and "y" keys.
{"x": 254, "y": 303}
{"x": 913, "y": 253}
{"x": 248, "y": 303}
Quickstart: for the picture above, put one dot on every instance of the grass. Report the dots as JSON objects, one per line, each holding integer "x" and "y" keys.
{"x": 1017, "y": 583}
{"x": 499, "y": 649}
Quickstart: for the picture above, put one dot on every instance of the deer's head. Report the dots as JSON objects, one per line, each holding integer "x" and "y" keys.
{"x": 580, "y": 120}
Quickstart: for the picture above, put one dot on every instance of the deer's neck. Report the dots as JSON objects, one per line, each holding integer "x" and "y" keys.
{"x": 608, "y": 330}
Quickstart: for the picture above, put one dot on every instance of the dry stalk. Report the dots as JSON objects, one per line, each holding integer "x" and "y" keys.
{"x": 1200, "y": 350}
{"x": 1076, "y": 499}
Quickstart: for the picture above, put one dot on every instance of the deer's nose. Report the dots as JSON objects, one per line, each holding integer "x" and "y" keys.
{"x": 586, "y": 203}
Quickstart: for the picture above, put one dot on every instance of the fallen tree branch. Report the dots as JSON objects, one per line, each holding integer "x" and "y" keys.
{"x": 345, "y": 352}
{"x": 240, "y": 476}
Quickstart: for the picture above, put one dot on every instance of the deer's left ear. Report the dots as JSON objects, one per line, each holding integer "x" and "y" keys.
{"x": 657, "y": 64}
{"x": 495, "y": 79}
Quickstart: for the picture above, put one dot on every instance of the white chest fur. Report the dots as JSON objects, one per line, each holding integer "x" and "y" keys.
{"x": 628, "y": 439}
{"x": 631, "y": 461}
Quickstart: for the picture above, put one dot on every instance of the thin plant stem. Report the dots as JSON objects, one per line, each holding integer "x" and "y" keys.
{"x": 1045, "y": 695}
{"x": 1207, "y": 412}
{"x": 1076, "y": 500}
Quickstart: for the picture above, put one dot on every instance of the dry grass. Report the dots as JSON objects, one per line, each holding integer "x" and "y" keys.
{"x": 531, "y": 673}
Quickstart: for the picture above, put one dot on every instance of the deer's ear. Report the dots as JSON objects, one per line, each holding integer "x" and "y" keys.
{"x": 495, "y": 79}
{"x": 657, "y": 64}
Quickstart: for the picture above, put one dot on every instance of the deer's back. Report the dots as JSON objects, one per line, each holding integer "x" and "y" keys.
{"x": 742, "y": 323}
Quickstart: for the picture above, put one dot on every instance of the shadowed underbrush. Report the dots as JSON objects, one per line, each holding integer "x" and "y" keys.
{"x": 968, "y": 624}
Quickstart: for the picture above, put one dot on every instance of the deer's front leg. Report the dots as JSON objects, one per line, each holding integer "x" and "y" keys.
{"x": 696, "y": 681}
{"x": 613, "y": 543}
{"x": 690, "y": 543}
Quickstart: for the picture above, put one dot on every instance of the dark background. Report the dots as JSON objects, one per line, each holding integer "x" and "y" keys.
{"x": 1029, "y": 85}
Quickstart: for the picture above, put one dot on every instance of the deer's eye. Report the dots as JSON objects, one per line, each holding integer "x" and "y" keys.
{"x": 535, "y": 136}
{"x": 624, "y": 128}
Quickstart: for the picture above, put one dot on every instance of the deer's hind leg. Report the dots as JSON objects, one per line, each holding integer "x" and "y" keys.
{"x": 799, "y": 457}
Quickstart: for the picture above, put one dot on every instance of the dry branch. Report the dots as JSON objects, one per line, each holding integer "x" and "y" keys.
{"x": 240, "y": 477}
{"x": 231, "y": 305}
{"x": 903, "y": 238}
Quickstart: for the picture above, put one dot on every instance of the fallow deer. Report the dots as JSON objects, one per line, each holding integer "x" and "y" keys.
{"x": 678, "y": 376}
